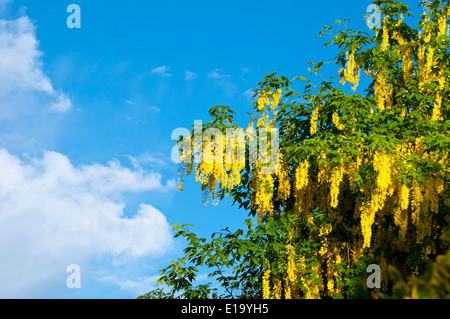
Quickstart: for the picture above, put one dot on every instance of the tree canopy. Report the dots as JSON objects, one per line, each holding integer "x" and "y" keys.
{"x": 357, "y": 179}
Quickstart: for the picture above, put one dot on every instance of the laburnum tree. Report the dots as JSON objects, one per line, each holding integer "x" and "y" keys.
{"x": 359, "y": 179}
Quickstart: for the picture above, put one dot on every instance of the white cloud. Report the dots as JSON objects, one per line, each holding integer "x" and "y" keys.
{"x": 154, "y": 109}
{"x": 216, "y": 75}
{"x": 21, "y": 71}
{"x": 53, "y": 214}
{"x": 248, "y": 94}
{"x": 137, "y": 287}
{"x": 156, "y": 160}
{"x": 63, "y": 104}
{"x": 190, "y": 75}
{"x": 223, "y": 81}
{"x": 162, "y": 71}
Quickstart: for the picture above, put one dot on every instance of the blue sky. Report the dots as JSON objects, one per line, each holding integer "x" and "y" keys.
{"x": 87, "y": 116}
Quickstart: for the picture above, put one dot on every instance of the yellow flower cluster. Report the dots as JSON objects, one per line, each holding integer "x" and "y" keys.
{"x": 224, "y": 169}
{"x": 383, "y": 92}
{"x": 264, "y": 99}
{"x": 400, "y": 211}
{"x": 442, "y": 23}
{"x": 284, "y": 182}
{"x": 314, "y": 121}
{"x": 337, "y": 123}
{"x": 335, "y": 180}
{"x": 301, "y": 175}
{"x": 405, "y": 52}
{"x": 264, "y": 193}
{"x": 404, "y": 197}
{"x": 292, "y": 271}
{"x": 287, "y": 289}
{"x": 263, "y": 184}
{"x": 266, "y": 285}
{"x": 436, "y": 116}
{"x": 382, "y": 164}
{"x": 367, "y": 220}
{"x": 302, "y": 192}
{"x": 276, "y": 99}
{"x": 421, "y": 66}
{"x": 278, "y": 288}
{"x": 385, "y": 43}
{"x": 426, "y": 57}
{"x": 351, "y": 73}
{"x": 217, "y": 167}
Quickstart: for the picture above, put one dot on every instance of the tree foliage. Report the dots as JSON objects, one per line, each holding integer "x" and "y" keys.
{"x": 359, "y": 179}
{"x": 434, "y": 283}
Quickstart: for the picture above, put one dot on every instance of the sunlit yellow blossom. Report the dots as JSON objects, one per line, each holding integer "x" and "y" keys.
{"x": 380, "y": 94}
{"x": 276, "y": 99}
{"x": 301, "y": 175}
{"x": 385, "y": 43}
{"x": 404, "y": 197}
{"x": 266, "y": 285}
{"x": 314, "y": 121}
{"x": 351, "y": 73}
{"x": 287, "y": 289}
{"x": 337, "y": 122}
{"x": 336, "y": 180}
{"x": 284, "y": 183}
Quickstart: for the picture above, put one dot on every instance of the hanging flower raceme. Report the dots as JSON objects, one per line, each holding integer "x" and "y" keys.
{"x": 276, "y": 99}
{"x": 264, "y": 193}
{"x": 266, "y": 285}
{"x": 351, "y": 72}
{"x": 385, "y": 43}
{"x": 335, "y": 182}
{"x": 437, "y": 109}
{"x": 379, "y": 88}
{"x": 263, "y": 100}
{"x": 405, "y": 51}
{"x": 301, "y": 180}
{"x": 284, "y": 182}
{"x": 314, "y": 121}
{"x": 336, "y": 122}
{"x": 382, "y": 164}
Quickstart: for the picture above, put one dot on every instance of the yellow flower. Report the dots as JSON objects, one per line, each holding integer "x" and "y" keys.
{"x": 266, "y": 284}
{"x": 336, "y": 180}
{"x": 284, "y": 183}
{"x": 385, "y": 43}
{"x": 379, "y": 90}
{"x": 337, "y": 122}
{"x": 404, "y": 197}
{"x": 314, "y": 121}
{"x": 276, "y": 99}
{"x": 351, "y": 73}
{"x": 301, "y": 175}
{"x": 287, "y": 289}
